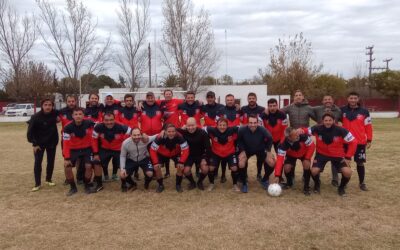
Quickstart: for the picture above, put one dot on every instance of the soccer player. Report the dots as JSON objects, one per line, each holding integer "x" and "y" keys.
{"x": 170, "y": 107}
{"x": 43, "y": 134}
{"x": 211, "y": 110}
{"x": 134, "y": 155}
{"x": 199, "y": 154}
{"x": 170, "y": 145}
{"x": 151, "y": 116}
{"x": 129, "y": 115}
{"x": 94, "y": 111}
{"x": 299, "y": 111}
{"x": 295, "y": 147}
{"x": 330, "y": 140}
{"x": 78, "y": 146}
{"x": 251, "y": 109}
{"x": 112, "y": 106}
{"x": 254, "y": 140}
{"x": 190, "y": 108}
{"x": 223, "y": 147}
{"x": 108, "y": 136}
{"x": 357, "y": 120}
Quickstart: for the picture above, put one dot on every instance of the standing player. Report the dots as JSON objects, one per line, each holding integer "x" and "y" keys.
{"x": 299, "y": 111}
{"x": 129, "y": 115}
{"x": 94, "y": 111}
{"x": 358, "y": 121}
{"x": 254, "y": 140}
{"x": 108, "y": 136}
{"x": 211, "y": 110}
{"x": 190, "y": 108}
{"x": 78, "y": 147}
{"x": 199, "y": 154}
{"x": 134, "y": 155}
{"x": 112, "y": 106}
{"x": 223, "y": 147}
{"x": 251, "y": 109}
{"x": 43, "y": 134}
{"x": 170, "y": 107}
{"x": 330, "y": 140}
{"x": 170, "y": 145}
{"x": 151, "y": 116}
{"x": 295, "y": 147}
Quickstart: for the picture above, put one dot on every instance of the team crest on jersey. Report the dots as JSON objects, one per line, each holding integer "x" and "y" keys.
{"x": 158, "y": 112}
{"x": 360, "y": 117}
{"x": 336, "y": 138}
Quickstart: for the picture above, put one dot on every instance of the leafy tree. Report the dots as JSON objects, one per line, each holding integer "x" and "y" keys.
{"x": 327, "y": 84}
{"x": 387, "y": 83}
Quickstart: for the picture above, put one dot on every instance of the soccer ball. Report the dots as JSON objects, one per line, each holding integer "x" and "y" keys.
{"x": 274, "y": 190}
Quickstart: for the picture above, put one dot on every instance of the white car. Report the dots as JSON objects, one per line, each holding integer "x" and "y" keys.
{"x": 23, "y": 109}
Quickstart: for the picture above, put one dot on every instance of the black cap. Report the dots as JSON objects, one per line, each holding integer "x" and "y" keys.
{"x": 149, "y": 93}
{"x": 210, "y": 94}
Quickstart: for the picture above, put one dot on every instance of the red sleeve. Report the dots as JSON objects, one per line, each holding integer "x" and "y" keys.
{"x": 310, "y": 150}
{"x": 368, "y": 128}
{"x": 95, "y": 142}
{"x": 66, "y": 145}
{"x": 279, "y": 164}
{"x": 184, "y": 152}
{"x": 352, "y": 145}
{"x": 153, "y": 152}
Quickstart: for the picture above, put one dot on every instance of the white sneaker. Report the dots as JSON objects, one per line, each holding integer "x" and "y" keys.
{"x": 236, "y": 188}
{"x": 211, "y": 187}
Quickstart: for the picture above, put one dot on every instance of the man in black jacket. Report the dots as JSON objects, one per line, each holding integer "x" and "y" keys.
{"x": 43, "y": 134}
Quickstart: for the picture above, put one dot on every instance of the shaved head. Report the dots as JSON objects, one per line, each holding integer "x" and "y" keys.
{"x": 191, "y": 125}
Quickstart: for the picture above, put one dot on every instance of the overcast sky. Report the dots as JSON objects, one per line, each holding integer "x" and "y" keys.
{"x": 339, "y": 31}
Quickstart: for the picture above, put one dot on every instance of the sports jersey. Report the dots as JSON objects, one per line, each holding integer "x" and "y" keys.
{"x": 210, "y": 113}
{"x": 254, "y": 142}
{"x": 275, "y": 123}
{"x": 94, "y": 113}
{"x": 110, "y": 138}
{"x": 186, "y": 110}
{"x": 129, "y": 116}
{"x": 223, "y": 144}
{"x": 247, "y": 111}
{"x": 170, "y": 109}
{"x": 114, "y": 108}
{"x": 175, "y": 147}
{"x": 358, "y": 122}
{"x": 151, "y": 119}
{"x": 78, "y": 137}
{"x": 65, "y": 115}
{"x": 199, "y": 143}
{"x": 231, "y": 114}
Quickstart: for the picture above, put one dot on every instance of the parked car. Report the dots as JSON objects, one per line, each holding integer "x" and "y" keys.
{"x": 8, "y": 107}
{"x": 21, "y": 109}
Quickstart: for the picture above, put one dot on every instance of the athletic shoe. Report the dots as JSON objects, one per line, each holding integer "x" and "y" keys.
{"x": 236, "y": 188}
{"x": 114, "y": 177}
{"x": 50, "y": 183}
{"x": 35, "y": 189}
{"x": 79, "y": 182}
{"x": 341, "y": 192}
{"x": 363, "y": 187}
{"x": 179, "y": 188}
{"x": 245, "y": 188}
{"x": 72, "y": 191}
{"x": 335, "y": 183}
{"x": 106, "y": 178}
{"x": 200, "y": 185}
{"x": 211, "y": 187}
{"x": 191, "y": 186}
{"x": 307, "y": 192}
{"x": 264, "y": 184}
{"x": 223, "y": 179}
{"x": 160, "y": 188}
{"x": 286, "y": 186}
{"x": 167, "y": 175}
{"x": 89, "y": 190}
{"x": 317, "y": 189}
{"x": 98, "y": 189}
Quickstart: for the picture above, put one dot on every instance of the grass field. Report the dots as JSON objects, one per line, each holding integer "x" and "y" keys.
{"x": 200, "y": 220}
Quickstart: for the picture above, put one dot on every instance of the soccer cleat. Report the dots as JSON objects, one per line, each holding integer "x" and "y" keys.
{"x": 341, "y": 191}
{"x": 72, "y": 191}
{"x": 211, "y": 187}
{"x": 50, "y": 183}
{"x": 160, "y": 188}
{"x": 191, "y": 186}
{"x": 179, "y": 188}
{"x": 114, "y": 177}
{"x": 236, "y": 188}
{"x": 35, "y": 189}
{"x": 363, "y": 187}
{"x": 335, "y": 183}
{"x": 317, "y": 189}
{"x": 223, "y": 179}
{"x": 244, "y": 188}
{"x": 106, "y": 178}
{"x": 286, "y": 186}
{"x": 89, "y": 190}
{"x": 307, "y": 192}
{"x": 98, "y": 189}
{"x": 264, "y": 184}
{"x": 200, "y": 185}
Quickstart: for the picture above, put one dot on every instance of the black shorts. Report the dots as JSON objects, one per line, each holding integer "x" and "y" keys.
{"x": 195, "y": 160}
{"x": 360, "y": 154}
{"x": 292, "y": 160}
{"x": 276, "y": 144}
{"x": 106, "y": 156}
{"x": 260, "y": 155}
{"x": 164, "y": 159}
{"x": 84, "y": 155}
{"x": 132, "y": 166}
{"x": 321, "y": 160}
{"x": 231, "y": 159}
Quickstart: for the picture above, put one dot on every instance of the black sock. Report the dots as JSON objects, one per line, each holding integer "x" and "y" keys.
{"x": 289, "y": 179}
{"x": 259, "y": 168}
{"x": 72, "y": 184}
{"x": 99, "y": 180}
{"x": 307, "y": 174}
{"x": 190, "y": 178}
{"x": 242, "y": 175}
{"x": 160, "y": 182}
{"x": 147, "y": 180}
{"x": 167, "y": 168}
{"x": 223, "y": 170}
{"x": 344, "y": 182}
{"x": 211, "y": 176}
{"x": 268, "y": 171}
{"x": 86, "y": 181}
{"x": 178, "y": 180}
{"x": 129, "y": 180}
{"x": 235, "y": 176}
{"x": 316, "y": 180}
{"x": 201, "y": 178}
{"x": 123, "y": 182}
{"x": 361, "y": 173}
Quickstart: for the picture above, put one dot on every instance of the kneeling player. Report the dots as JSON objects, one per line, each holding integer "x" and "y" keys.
{"x": 170, "y": 145}
{"x": 295, "y": 147}
{"x": 134, "y": 154}
{"x": 77, "y": 147}
{"x": 330, "y": 147}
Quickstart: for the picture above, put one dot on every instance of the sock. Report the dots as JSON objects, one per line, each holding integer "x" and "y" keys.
{"x": 242, "y": 175}
{"x": 307, "y": 174}
{"x": 167, "y": 168}
{"x": 361, "y": 173}
{"x": 316, "y": 180}
{"x": 86, "y": 181}
{"x": 201, "y": 178}
{"x": 259, "y": 168}
{"x": 72, "y": 184}
{"x": 211, "y": 176}
{"x": 223, "y": 170}
{"x": 268, "y": 170}
{"x": 190, "y": 178}
{"x": 289, "y": 179}
{"x": 123, "y": 182}
{"x": 147, "y": 180}
{"x": 178, "y": 180}
{"x": 234, "y": 175}
{"x": 160, "y": 182}
{"x": 344, "y": 182}
{"x": 99, "y": 180}
{"x": 129, "y": 180}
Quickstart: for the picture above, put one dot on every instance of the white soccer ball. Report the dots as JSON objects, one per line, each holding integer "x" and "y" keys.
{"x": 274, "y": 190}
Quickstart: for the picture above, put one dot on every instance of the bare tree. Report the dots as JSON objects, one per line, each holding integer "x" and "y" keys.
{"x": 133, "y": 27}
{"x": 188, "y": 43}
{"x": 72, "y": 40}
{"x": 17, "y": 37}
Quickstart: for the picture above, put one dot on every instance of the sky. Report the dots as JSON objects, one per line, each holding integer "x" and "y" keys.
{"x": 339, "y": 31}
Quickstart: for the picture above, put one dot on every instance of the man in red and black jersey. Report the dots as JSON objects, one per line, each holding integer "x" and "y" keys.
{"x": 94, "y": 111}
{"x": 78, "y": 147}
{"x": 151, "y": 116}
{"x": 358, "y": 121}
{"x": 211, "y": 110}
{"x": 190, "y": 108}
{"x": 223, "y": 147}
{"x": 112, "y": 105}
{"x": 129, "y": 115}
{"x": 170, "y": 145}
{"x": 251, "y": 109}
{"x": 330, "y": 140}
{"x": 108, "y": 136}
{"x": 170, "y": 107}
{"x": 294, "y": 147}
